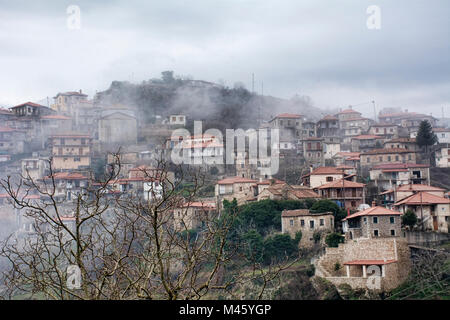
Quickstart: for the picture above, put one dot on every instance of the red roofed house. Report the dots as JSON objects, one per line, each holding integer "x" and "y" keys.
{"x": 388, "y": 175}
{"x": 195, "y": 215}
{"x": 373, "y": 222}
{"x": 432, "y": 210}
{"x": 402, "y": 143}
{"x": 313, "y": 150}
{"x": 352, "y": 124}
{"x": 386, "y": 130}
{"x": 70, "y": 151}
{"x": 375, "y": 254}
{"x": 328, "y": 126}
{"x": 348, "y": 193}
{"x": 405, "y": 190}
{"x": 382, "y": 156}
{"x": 67, "y": 184}
{"x": 241, "y": 189}
{"x": 324, "y": 175}
{"x": 31, "y": 109}
{"x": 442, "y": 155}
{"x": 65, "y": 101}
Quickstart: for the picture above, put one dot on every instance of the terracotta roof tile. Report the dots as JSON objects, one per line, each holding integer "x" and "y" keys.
{"x": 373, "y": 211}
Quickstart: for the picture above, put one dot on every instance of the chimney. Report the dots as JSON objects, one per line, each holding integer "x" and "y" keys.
{"x": 374, "y": 204}
{"x": 311, "y": 169}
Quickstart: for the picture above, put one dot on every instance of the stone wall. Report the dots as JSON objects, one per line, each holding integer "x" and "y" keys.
{"x": 367, "y": 249}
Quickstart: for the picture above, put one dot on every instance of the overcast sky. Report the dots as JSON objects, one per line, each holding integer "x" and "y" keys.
{"x": 322, "y": 49}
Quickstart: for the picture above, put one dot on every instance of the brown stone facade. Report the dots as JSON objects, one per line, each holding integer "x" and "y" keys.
{"x": 390, "y": 257}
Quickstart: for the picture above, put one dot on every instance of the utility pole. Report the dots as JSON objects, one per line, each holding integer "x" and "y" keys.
{"x": 374, "y": 111}
{"x": 253, "y": 83}
{"x": 421, "y": 211}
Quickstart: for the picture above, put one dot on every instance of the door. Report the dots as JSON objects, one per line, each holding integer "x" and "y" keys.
{"x": 435, "y": 224}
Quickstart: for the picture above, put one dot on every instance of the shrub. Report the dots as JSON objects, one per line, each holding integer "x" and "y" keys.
{"x": 333, "y": 239}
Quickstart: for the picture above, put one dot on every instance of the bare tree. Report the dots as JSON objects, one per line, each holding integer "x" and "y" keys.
{"x": 125, "y": 244}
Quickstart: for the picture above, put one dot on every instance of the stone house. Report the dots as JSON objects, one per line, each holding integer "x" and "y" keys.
{"x": 381, "y": 156}
{"x": 308, "y": 223}
{"x": 313, "y": 150}
{"x": 70, "y": 151}
{"x": 398, "y": 193}
{"x": 442, "y": 156}
{"x": 323, "y": 175}
{"x": 432, "y": 210}
{"x": 241, "y": 189}
{"x": 193, "y": 215}
{"x": 328, "y": 126}
{"x": 378, "y": 264}
{"x": 387, "y": 131}
{"x": 373, "y": 222}
{"x": 12, "y": 141}
{"x": 443, "y": 134}
{"x": 68, "y": 185}
{"x": 36, "y": 168}
{"x": 402, "y": 143}
{"x": 289, "y": 125}
{"x": 366, "y": 142}
{"x": 65, "y": 102}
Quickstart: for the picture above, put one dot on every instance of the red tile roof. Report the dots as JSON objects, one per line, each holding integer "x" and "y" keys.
{"x": 367, "y": 137}
{"x": 302, "y": 212}
{"x": 369, "y": 262}
{"x": 328, "y": 117}
{"x": 387, "y": 151}
{"x": 402, "y": 140}
{"x": 339, "y": 184}
{"x": 232, "y": 180}
{"x": 55, "y": 117}
{"x": 418, "y": 187}
{"x": 271, "y": 181}
{"x": 387, "y": 166}
{"x": 199, "y": 204}
{"x": 289, "y": 115}
{"x": 32, "y": 104}
{"x": 348, "y": 111}
{"x": 66, "y": 176}
{"x": 6, "y": 129}
{"x": 423, "y": 198}
{"x": 373, "y": 211}
{"x": 326, "y": 170}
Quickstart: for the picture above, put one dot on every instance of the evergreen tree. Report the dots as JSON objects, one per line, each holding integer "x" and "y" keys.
{"x": 425, "y": 135}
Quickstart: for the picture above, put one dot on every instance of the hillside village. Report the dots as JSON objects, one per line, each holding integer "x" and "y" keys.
{"x": 374, "y": 170}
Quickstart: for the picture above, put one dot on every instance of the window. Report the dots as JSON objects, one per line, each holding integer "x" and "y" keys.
{"x": 353, "y": 204}
{"x": 291, "y": 222}
{"x": 389, "y": 158}
{"x": 321, "y": 222}
{"x": 365, "y": 220}
{"x": 375, "y": 233}
{"x": 392, "y": 232}
{"x": 302, "y": 223}
{"x": 311, "y": 224}
{"x": 329, "y": 179}
{"x": 375, "y": 220}
{"x": 392, "y": 219}
{"x": 396, "y": 158}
